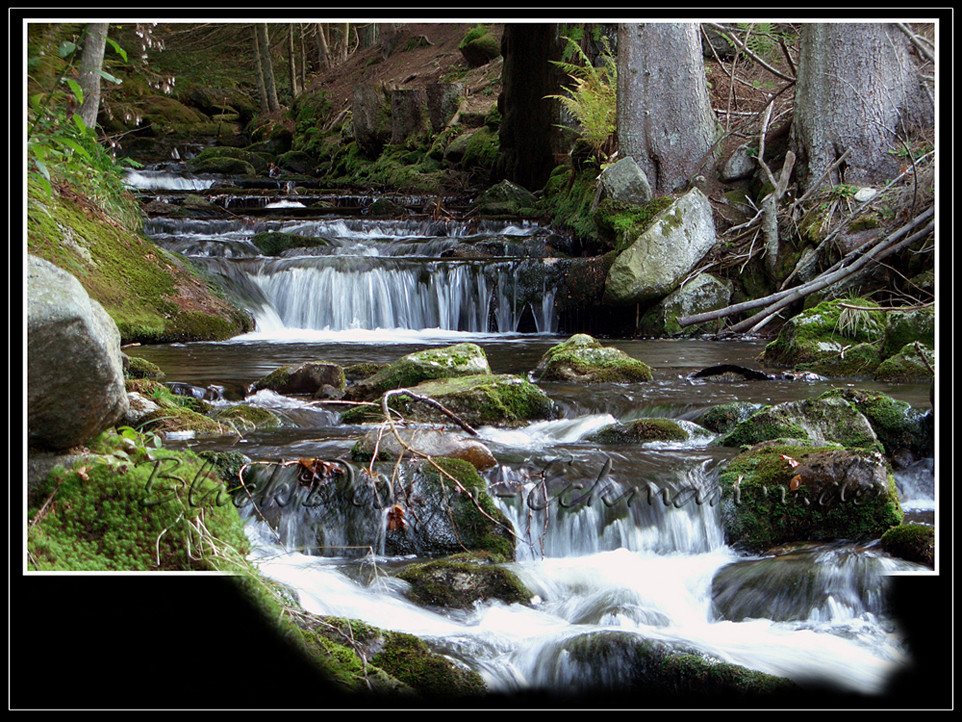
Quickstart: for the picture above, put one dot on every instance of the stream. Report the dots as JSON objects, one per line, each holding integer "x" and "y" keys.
{"x": 607, "y": 549}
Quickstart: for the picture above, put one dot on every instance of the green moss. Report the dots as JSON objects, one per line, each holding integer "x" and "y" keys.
{"x": 481, "y": 149}
{"x": 567, "y": 200}
{"x": 480, "y": 525}
{"x": 462, "y": 580}
{"x": 761, "y": 509}
{"x": 273, "y": 243}
{"x": 409, "y": 659}
{"x": 896, "y": 424}
{"x": 914, "y": 542}
{"x": 143, "y": 288}
{"x": 641, "y": 430}
{"x": 907, "y": 327}
{"x": 139, "y": 368}
{"x": 257, "y": 161}
{"x": 130, "y": 507}
{"x": 166, "y": 420}
{"x": 623, "y": 222}
{"x": 584, "y": 359}
{"x": 724, "y": 417}
{"x": 244, "y": 417}
{"x": 911, "y": 363}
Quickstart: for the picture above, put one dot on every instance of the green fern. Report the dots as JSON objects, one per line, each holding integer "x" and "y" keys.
{"x": 591, "y": 98}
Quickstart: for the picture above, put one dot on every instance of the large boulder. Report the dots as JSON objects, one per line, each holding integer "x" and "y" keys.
{"x": 664, "y": 254}
{"x": 310, "y": 377}
{"x": 583, "y": 359}
{"x": 75, "y": 378}
{"x": 505, "y": 198}
{"x": 463, "y": 359}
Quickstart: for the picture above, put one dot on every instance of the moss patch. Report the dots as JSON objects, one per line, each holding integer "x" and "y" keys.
{"x": 581, "y": 358}
{"x": 913, "y": 542}
{"x": 462, "y": 580}
{"x": 132, "y": 507}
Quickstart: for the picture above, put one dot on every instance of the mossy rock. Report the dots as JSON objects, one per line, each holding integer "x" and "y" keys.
{"x": 826, "y": 419}
{"x": 245, "y": 417}
{"x": 897, "y": 425}
{"x": 621, "y": 222}
{"x": 906, "y": 327}
{"x": 308, "y": 377}
{"x": 479, "y": 47}
{"x": 481, "y": 149}
{"x": 912, "y": 542}
{"x": 479, "y": 400}
{"x": 130, "y": 506}
{"x": 568, "y": 198}
{"x": 583, "y": 359}
{"x": 780, "y": 492}
{"x": 458, "y": 582}
{"x": 168, "y": 420}
{"x": 914, "y": 362}
{"x": 222, "y": 164}
{"x": 258, "y": 161}
{"x": 640, "y": 431}
{"x": 449, "y": 511}
{"x": 274, "y": 243}
{"x": 140, "y": 368}
{"x": 722, "y": 418}
{"x": 463, "y": 359}
{"x": 830, "y": 339}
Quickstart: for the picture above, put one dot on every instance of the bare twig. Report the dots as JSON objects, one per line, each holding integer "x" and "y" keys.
{"x": 744, "y": 48}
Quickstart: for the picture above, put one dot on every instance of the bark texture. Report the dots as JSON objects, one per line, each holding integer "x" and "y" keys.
{"x": 857, "y": 89}
{"x": 91, "y": 63}
{"x": 528, "y": 117}
{"x": 665, "y": 120}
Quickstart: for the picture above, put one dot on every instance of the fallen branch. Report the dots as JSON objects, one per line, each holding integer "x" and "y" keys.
{"x": 429, "y": 402}
{"x": 869, "y": 253}
{"x": 744, "y": 48}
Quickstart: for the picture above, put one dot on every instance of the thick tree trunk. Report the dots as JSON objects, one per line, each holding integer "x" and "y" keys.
{"x": 323, "y": 51}
{"x": 527, "y": 117}
{"x": 857, "y": 89}
{"x": 91, "y": 63}
{"x": 261, "y": 88}
{"x": 665, "y": 120}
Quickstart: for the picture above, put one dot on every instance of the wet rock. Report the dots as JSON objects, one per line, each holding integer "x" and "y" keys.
{"x": 583, "y": 359}
{"x": 460, "y": 581}
{"x": 464, "y": 359}
{"x": 913, "y": 542}
{"x": 305, "y": 378}
{"x": 505, "y": 198}
{"x": 244, "y": 417}
{"x": 826, "y": 419}
{"x": 431, "y": 442}
{"x": 479, "y": 400}
{"x": 75, "y": 380}
{"x": 778, "y": 492}
{"x": 723, "y": 418}
{"x": 640, "y": 431}
{"x": 664, "y": 254}
{"x": 701, "y": 294}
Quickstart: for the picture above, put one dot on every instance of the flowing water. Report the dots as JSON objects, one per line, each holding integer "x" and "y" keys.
{"x": 614, "y": 539}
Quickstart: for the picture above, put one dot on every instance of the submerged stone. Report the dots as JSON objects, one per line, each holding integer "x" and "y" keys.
{"x": 583, "y": 359}
{"x": 462, "y": 580}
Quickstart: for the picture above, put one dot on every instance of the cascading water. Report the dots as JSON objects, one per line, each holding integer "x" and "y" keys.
{"x": 620, "y": 547}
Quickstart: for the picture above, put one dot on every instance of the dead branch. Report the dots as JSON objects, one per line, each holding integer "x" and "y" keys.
{"x": 869, "y": 253}
{"x": 744, "y": 48}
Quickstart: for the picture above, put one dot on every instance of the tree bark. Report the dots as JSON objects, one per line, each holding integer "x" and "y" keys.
{"x": 665, "y": 119}
{"x": 292, "y": 62}
{"x": 267, "y": 67}
{"x": 857, "y": 89}
{"x": 528, "y": 117}
{"x": 91, "y": 63}
{"x": 261, "y": 88}
{"x": 323, "y": 51}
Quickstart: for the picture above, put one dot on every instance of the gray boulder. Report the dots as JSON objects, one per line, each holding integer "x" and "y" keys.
{"x": 701, "y": 294}
{"x": 75, "y": 378}
{"x": 657, "y": 261}
{"x": 625, "y": 181}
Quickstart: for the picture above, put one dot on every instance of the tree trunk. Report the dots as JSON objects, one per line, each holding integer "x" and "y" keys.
{"x": 323, "y": 50}
{"x": 528, "y": 117}
{"x": 91, "y": 63}
{"x": 665, "y": 120}
{"x": 857, "y": 89}
{"x": 261, "y": 88}
{"x": 267, "y": 67}
{"x": 292, "y": 63}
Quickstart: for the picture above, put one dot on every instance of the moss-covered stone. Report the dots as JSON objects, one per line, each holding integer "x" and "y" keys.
{"x": 583, "y": 359}
{"x": 461, "y": 580}
{"x": 623, "y": 222}
{"x": 905, "y": 327}
{"x": 130, "y": 506}
{"x": 167, "y": 420}
{"x": 152, "y": 295}
{"x": 245, "y": 417}
{"x": 826, "y": 419}
{"x": 464, "y": 359}
{"x": 308, "y": 377}
{"x": 640, "y": 431}
{"x": 777, "y": 492}
{"x": 914, "y": 362}
{"x": 897, "y": 425}
{"x": 140, "y": 368}
{"x": 724, "y": 417}
{"x": 257, "y": 162}
{"x": 830, "y": 339}
{"x": 913, "y": 542}
{"x": 567, "y": 199}
{"x": 479, "y": 400}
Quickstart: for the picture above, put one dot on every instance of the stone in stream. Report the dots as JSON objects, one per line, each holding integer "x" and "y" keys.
{"x": 463, "y": 359}
{"x": 431, "y": 442}
{"x": 701, "y": 294}
{"x": 583, "y": 359}
{"x": 75, "y": 381}
{"x": 305, "y": 378}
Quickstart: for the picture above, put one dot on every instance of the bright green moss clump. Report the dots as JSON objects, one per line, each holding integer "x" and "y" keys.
{"x": 133, "y": 507}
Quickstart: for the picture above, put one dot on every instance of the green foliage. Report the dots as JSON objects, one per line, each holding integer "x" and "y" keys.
{"x": 763, "y": 39}
{"x": 591, "y": 99}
